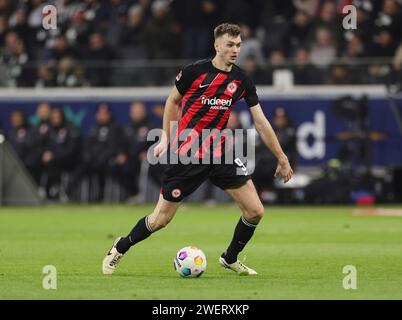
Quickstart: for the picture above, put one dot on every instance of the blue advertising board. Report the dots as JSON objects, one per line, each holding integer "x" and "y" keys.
{"x": 316, "y": 124}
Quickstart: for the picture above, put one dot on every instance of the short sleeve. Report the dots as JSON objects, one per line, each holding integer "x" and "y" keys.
{"x": 184, "y": 79}
{"x": 250, "y": 96}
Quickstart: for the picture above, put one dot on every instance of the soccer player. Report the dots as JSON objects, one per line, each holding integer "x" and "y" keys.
{"x": 207, "y": 91}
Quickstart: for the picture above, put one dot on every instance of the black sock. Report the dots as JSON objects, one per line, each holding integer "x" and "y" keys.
{"x": 140, "y": 232}
{"x": 242, "y": 234}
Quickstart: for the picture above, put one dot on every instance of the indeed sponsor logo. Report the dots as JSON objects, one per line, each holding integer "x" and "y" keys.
{"x": 215, "y": 103}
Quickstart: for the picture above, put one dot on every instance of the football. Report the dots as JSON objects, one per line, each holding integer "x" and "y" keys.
{"x": 190, "y": 262}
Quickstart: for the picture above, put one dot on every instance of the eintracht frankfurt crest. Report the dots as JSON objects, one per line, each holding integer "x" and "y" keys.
{"x": 232, "y": 87}
{"x": 176, "y": 193}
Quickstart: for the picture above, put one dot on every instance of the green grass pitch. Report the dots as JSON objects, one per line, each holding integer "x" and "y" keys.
{"x": 299, "y": 253}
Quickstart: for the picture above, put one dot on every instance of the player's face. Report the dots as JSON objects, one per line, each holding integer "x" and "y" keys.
{"x": 228, "y": 48}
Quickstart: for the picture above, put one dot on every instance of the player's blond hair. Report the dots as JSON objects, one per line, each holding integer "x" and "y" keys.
{"x": 231, "y": 29}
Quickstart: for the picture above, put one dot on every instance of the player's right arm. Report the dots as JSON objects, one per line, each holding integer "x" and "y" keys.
{"x": 270, "y": 139}
{"x": 170, "y": 114}
{"x": 266, "y": 132}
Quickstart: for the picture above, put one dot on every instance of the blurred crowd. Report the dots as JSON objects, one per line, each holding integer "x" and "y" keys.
{"x": 51, "y": 148}
{"x": 127, "y": 42}
{"x": 71, "y": 166}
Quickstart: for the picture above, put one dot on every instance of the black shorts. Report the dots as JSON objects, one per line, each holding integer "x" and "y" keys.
{"x": 181, "y": 180}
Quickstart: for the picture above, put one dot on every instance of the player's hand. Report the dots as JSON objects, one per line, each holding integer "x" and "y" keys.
{"x": 161, "y": 149}
{"x": 284, "y": 170}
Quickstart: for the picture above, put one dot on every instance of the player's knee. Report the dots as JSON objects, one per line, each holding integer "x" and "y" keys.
{"x": 255, "y": 214}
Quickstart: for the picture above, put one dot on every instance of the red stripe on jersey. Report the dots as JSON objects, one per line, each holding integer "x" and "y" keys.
{"x": 209, "y": 93}
{"x": 193, "y": 88}
{"x": 196, "y": 106}
{"x": 207, "y": 143}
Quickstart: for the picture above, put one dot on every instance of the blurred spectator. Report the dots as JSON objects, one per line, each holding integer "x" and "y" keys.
{"x": 310, "y": 7}
{"x": 132, "y": 32}
{"x": 18, "y": 23}
{"x": 286, "y": 134}
{"x": 304, "y": 72}
{"x": 45, "y": 77}
{"x": 80, "y": 21}
{"x": 103, "y": 140}
{"x": 256, "y": 73}
{"x": 266, "y": 162}
{"x": 276, "y": 61}
{"x": 323, "y": 50}
{"x": 60, "y": 152}
{"x": 15, "y": 57}
{"x": 35, "y": 15}
{"x": 250, "y": 46}
{"x": 339, "y": 75}
{"x": 117, "y": 14}
{"x": 398, "y": 63}
{"x": 242, "y": 12}
{"x": 162, "y": 29}
{"x": 3, "y": 30}
{"x": 135, "y": 147}
{"x": 380, "y": 73}
{"x": 23, "y": 141}
{"x": 390, "y": 18}
{"x": 146, "y": 8}
{"x": 299, "y": 30}
{"x": 160, "y": 35}
{"x": 41, "y": 117}
{"x": 383, "y": 45}
{"x": 365, "y": 30}
{"x": 68, "y": 74}
{"x": 329, "y": 19}
{"x": 66, "y": 9}
{"x": 357, "y": 72}
{"x": 273, "y": 12}
{"x": 196, "y": 20}
{"x": 6, "y": 7}
{"x": 40, "y": 132}
{"x": 99, "y": 58}
{"x": 99, "y": 151}
{"x": 355, "y": 48}
{"x": 60, "y": 48}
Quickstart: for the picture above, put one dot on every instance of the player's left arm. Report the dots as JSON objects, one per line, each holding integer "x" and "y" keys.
{"x": 270, "y": 139}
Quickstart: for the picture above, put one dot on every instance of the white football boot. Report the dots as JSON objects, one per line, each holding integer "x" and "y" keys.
{"x": 112, "y": 259}
{"x": 238, "y": 267}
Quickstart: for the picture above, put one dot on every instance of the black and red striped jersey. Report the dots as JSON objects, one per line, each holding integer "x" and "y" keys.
{"x": 209, "y": 95}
